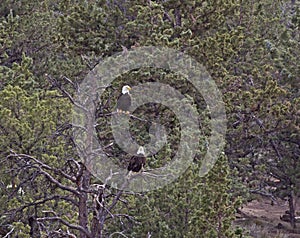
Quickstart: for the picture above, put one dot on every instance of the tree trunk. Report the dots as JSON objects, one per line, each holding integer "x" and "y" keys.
{"x": 34, "y": 229}
{"x": 83, "y": 212}
{"x": 96, "y": 228}
{"x": 97, "y": 225}
{"x": 292, "y": 210}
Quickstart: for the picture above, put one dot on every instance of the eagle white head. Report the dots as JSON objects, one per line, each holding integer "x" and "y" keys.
{"x": 126, "y": 89}
{"x": 141, "y": 150}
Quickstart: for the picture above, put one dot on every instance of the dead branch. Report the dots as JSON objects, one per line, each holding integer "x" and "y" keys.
{"x": 40, "y": 167}
{"x": 64, "y": 222}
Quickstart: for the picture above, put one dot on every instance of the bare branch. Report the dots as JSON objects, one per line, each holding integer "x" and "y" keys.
{"x": 54, "y": 197}
{"x": 64, "y": 222}
{"x": 274, "y": 146}
{"x": 130, "y": 115}
{"x": 61, "y": 186}
{"x": 46, "y": 174}
{"x": 131, "y": 218}
{"x": 120, "y": 192}
{"x": 117, "y": 233}
{"x": 7, "y": 235}
{"x": 75, "y": 85}
{"x": 65, "y": 92}
{"x": 263, "y": 193}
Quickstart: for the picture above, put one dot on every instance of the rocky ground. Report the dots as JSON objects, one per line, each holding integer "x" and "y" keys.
{"x": 262, "y": 219}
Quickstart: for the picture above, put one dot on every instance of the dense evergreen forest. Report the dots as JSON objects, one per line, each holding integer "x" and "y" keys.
{"x": 251, "y": 50}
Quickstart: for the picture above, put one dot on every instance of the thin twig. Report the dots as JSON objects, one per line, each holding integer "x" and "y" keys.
{"x": 7, "y": 235}
{"x": 117, "y": 233}
{"x": 46, "y": 174}
{"x": 130, "y": 115}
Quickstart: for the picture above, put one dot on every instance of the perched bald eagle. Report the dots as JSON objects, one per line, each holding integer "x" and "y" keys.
{"x": 137, "y": 162}
{"x": 124, "y": 100}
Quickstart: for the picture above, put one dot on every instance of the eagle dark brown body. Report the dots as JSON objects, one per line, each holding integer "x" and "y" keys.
{"x": 137, "y": 162}
{"x": 124, "y": 100}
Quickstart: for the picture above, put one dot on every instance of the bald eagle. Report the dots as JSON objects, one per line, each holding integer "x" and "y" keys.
{"x": 124, "y": 100}
{"x": 137, "y": 162}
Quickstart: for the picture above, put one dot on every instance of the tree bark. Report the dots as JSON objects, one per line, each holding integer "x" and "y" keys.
{"x": 292, "y": 210}
{"x": 83, "y": 198}
{"x": 97, "y": 226}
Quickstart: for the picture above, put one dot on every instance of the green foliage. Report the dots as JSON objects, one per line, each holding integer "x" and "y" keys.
{"x": 29, "y": 120}
{"x": 21, "y": 230}
{"x": 251, "y": 50}
{"x": 191, "y": 207}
